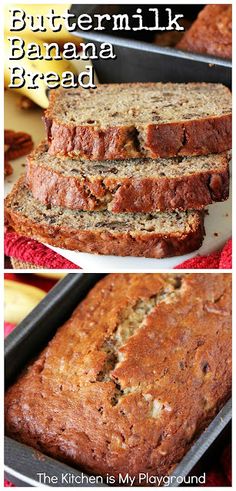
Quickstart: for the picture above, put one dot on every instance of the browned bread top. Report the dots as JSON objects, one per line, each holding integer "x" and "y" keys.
{"x": 211, "y": 33}
{"x": 134, "y": 376}
{"x": 119, "y": 121}
{"x": 157, "y": 235}
{"x": 131, "y": 185}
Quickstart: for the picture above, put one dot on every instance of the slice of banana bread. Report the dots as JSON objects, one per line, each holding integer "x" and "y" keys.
{"x": 135, "y": 234}
{"x": 133, "y": 185}
{"x": 211, "y": 33}
{"x": 120, "y": 121}
{"x": 135, "y": 375}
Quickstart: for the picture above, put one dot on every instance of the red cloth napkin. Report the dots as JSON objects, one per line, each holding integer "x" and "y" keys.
{"x": 8, "y": 484}
{"x": 8, "y": 327}
{"x": 33, "y": 252}
{"x": 216, "y": 260}
{"x": 220, "y": 474}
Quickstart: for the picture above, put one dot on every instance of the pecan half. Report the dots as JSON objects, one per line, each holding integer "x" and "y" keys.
{"x": 17, "y": 144}
{"x": 8, "y": 170}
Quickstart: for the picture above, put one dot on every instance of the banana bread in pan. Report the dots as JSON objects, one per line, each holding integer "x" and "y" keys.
{"x": 132, "y": 378}
{"x": 132, "y": 185}
{"x": 161, "y": 234}
{"x": 119, "y": 121}
{"x": 211, "y": 33}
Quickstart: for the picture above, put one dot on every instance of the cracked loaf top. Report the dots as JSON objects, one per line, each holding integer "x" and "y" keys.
{"x": 132, "y": 378}
{"x": 118, "y": 121}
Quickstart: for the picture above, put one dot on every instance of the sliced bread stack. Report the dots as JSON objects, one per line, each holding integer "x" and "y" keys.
{"x": 127, "y": 169}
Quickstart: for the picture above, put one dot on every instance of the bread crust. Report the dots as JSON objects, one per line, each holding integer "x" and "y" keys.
{"x": 113, "y": 408}
{"x": 128, "y": 194}
{"x": 185, "y": 138}
{"x": 100, "y": 241}
{"x": 199, "y": 136}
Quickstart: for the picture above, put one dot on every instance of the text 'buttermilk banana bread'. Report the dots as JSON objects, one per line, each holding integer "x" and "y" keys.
{"x": 211, "y": 33}
{"x": 132, "y": 378}
{"x": 155, "y": 235}
{"x": 131, "y": 185}
{"x": 119, "y": 121}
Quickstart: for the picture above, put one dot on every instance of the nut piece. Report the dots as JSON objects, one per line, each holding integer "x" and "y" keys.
{"x": 8, "y": 170}
{"x": 18, "y": 144}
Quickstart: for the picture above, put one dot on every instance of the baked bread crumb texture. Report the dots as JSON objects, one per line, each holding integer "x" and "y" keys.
{"x": 126, "y": 169}
{"x": 131, "y": 380}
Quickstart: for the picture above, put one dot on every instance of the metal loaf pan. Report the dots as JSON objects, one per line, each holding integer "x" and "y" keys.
{"x": 22, "y": 463}
{"x": 140, "y": 60}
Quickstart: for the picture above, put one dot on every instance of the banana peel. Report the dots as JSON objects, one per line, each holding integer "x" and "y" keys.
{"x": 39, "y": 96}
{"x": 19, "y": 300}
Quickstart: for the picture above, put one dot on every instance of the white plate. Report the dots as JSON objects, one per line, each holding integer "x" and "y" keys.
{"x": 218, "y": 222}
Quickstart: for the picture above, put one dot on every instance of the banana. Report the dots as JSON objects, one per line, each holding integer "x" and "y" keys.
{"x": 39, "y": 96}
{"x": 52, "y": 276}
{"x": 19, "y": 300}
{"x": 41, "y": 9}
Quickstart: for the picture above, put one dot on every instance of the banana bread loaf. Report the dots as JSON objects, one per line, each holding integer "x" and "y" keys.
{"x": 156, "y": 235}
{"x": 131, "y": 185}
{"x": 132, "y": 378}
{"x": 171, "y": 38}
{"x": 211, "y": 33}
{"x": 119, "y": 121}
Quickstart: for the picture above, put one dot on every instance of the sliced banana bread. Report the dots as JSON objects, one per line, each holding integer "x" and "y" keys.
{"x": 211, "y": 33}
{"x": 120, "y": 121}
{"x": 149, "y": 235}
{"x": 128, "y": 186}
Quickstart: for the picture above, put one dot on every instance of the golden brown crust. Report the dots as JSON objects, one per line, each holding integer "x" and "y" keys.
{"x": 200, "y": 137}
{"x": 128, "y": 194}
{"x": 130, "y": 381}
{"x": 103, "y": 241}
{"x": 211, "y": 33}
{"x": 204, "y": 136}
